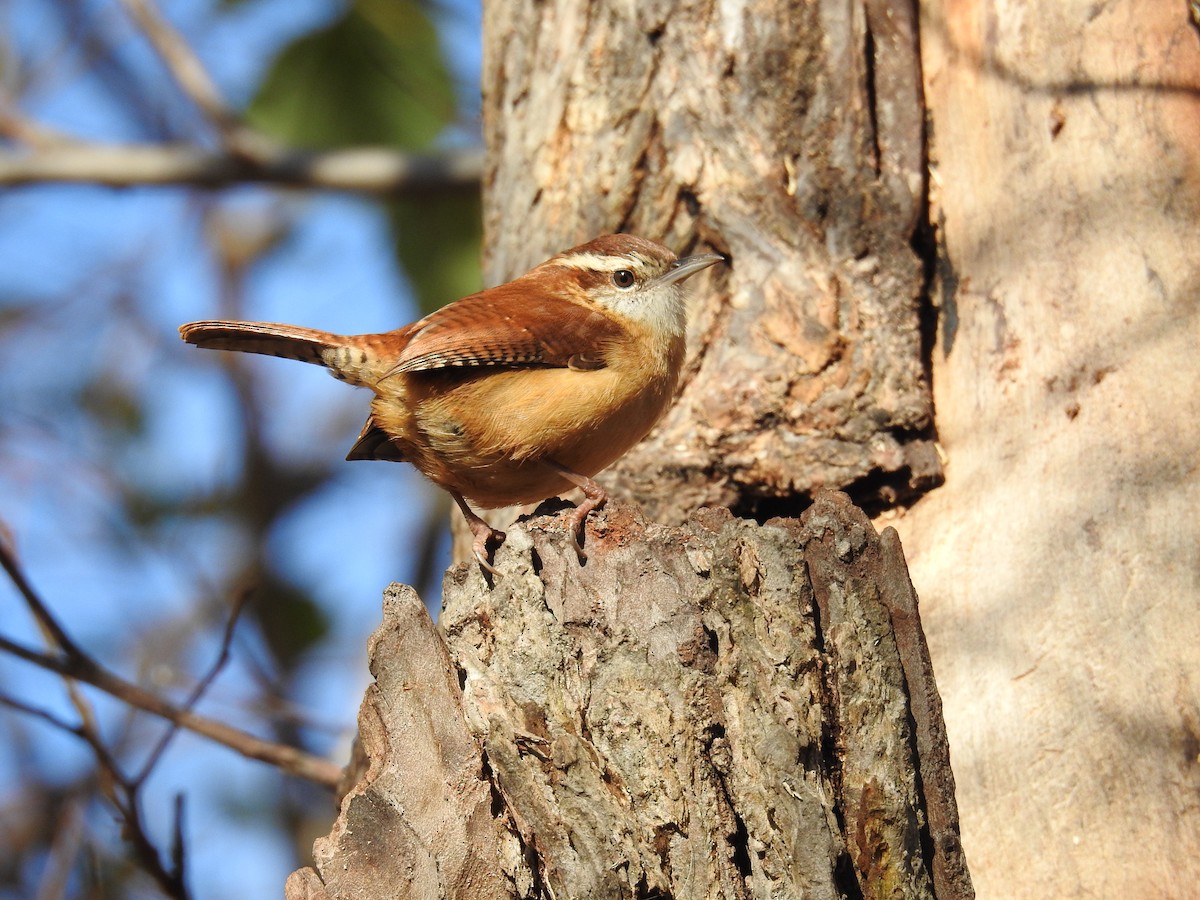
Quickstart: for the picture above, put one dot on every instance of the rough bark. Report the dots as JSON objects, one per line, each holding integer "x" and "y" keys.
{"x": 1059, "y": 566}
{"x": 710, "y": 707}
{"x": 785, "y": 135}
{"x": 419, "y": 817}
{"x": 1060, "y": 562}
{"x": 720, "y": 709}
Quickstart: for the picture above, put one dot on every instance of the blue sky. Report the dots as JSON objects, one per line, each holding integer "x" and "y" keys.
{"x": 76, "y": 255}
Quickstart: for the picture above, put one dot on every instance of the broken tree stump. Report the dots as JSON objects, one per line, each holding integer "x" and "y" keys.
{"x": 721, "y": 709}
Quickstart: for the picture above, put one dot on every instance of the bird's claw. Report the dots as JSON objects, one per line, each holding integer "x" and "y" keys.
{"x": 479, "y": 548}
{"x": 577, "y": 529}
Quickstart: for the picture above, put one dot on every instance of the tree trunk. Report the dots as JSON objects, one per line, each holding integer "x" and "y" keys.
{"x": 1059, "y": 562}
{"x": 716, "y": 710}
{"x": 789, "y": 137}
{"x": 710, "y": 707}
{"x": 1059, "y": 566}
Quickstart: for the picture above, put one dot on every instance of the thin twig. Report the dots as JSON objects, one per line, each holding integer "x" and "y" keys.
{"x": 72, "y": 662}
{"x": 289, "y": 759}
{"x": 178, "y": 854}
{"x": 119, "y": 791}
{"x": 124, "y": 797}
{"x": 64, "y": 848}
{"x": 185, "y": 68}
{"x": 53, "y": 632}
{"x": 366, "y": 170}
{"x": 202, "y": 686}
{"x": 126, "y": 800}
{"x": 20, "y": 128}
{"x": 47, "y": 622}
{"x": 37, "y": 712}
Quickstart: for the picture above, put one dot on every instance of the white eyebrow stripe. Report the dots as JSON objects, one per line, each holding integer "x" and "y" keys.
{"x": 598, "y": 262}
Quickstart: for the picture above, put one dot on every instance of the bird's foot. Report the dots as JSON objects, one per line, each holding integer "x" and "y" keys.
{"x": 483, "y": 534}
{"x": 479, "y": 548}
{"x": 594, "y": 497}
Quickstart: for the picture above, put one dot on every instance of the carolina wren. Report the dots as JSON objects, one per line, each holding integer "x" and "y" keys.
{"x": 519, "y": 392}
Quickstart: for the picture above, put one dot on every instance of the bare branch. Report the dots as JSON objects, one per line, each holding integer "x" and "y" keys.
{"x": 119, "y": 792}
{"x": 53, "y": 633}
{"x": 185, "y": 68}
{"x": 289, "y": 759}
{"x": 239, "y": 603}
{"x": 370, "y": 170}
{"x": 45, "y": 620}
{"x": 178, "y": 848}
{"x": 74, "y": 663}
{"x": 126, "y": 800}
{"x": 21, "y": 129}
{"x": 61, "y": 856}
{"x": 36, "y": 712}
{"x": 124, "y": 797}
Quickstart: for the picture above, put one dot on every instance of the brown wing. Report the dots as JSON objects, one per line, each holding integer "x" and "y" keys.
{"x": 514, "y": 325}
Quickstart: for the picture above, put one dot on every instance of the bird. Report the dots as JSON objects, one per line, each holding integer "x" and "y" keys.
{"x": 519, "y": 392}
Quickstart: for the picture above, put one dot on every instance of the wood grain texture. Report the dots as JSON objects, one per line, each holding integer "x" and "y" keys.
{"x": 788, "y": 136}
{"x": 708, "y": 711}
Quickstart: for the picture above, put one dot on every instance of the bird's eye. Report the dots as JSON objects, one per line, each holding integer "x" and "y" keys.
{"x": 623, "y": 278}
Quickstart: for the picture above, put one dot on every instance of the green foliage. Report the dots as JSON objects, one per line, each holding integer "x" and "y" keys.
{"x": 376, "y": 76}
{"x": 115, "y": 406}
{"x": 438, "y": 242}
{"x": 291, "y": 622}
{"x": 373, "y": 76}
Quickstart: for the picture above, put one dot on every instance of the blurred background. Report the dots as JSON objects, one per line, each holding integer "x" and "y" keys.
{"x": 147, "y": 486}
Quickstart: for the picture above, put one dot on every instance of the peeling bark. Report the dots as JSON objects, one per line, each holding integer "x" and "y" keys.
{"x": 720, "y": 709}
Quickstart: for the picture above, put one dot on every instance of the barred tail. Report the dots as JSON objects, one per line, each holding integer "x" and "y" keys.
{"x": 347, "y": 357}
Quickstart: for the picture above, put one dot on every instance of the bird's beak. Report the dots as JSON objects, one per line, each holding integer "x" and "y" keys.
{"x": 689, "y": 265}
